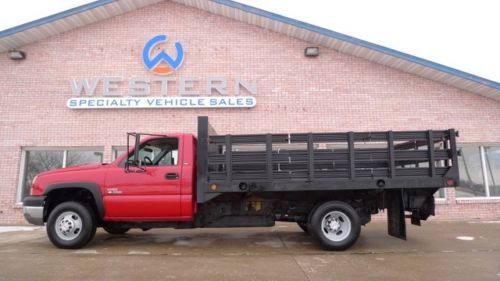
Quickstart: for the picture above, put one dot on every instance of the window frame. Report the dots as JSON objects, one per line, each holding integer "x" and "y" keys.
{"x": 114, "y": 151}
{"x": 121, "y": 164}
{"x": 484, "y": 172}
{"x": 64, "y": 149}
{"x": 445, "y": 195}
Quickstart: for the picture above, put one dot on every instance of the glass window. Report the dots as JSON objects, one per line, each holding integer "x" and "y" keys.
{"x": 441, "y": 193}
{"x": 471, "y": 173}
{"x": 492, "y": 160}
{"x": 37, "y": 162}
{"x": 41, "y": 160}
{"x": 170, "y": 158}
{"x": 158, "y": 152}
{"x": 80, "y": 157}
{"x": 118, "y": 150}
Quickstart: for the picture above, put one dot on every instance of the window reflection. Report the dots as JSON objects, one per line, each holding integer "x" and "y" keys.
{"x": 492, "y": 160}
{"x": 76, "y": 157}
{"x": 471, "y": 174}
{"x": 37, "y": 161}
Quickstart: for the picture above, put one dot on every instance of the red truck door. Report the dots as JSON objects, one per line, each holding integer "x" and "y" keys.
{"x": 153, "y": 194}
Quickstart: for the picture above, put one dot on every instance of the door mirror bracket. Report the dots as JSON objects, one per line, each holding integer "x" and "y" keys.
{"x": 132, "y": 166}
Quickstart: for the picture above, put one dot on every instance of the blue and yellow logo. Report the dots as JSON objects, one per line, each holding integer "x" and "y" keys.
{"x": 162, "y": 63}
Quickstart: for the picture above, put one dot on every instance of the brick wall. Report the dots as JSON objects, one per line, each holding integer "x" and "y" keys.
{"x": 333, "y": 92}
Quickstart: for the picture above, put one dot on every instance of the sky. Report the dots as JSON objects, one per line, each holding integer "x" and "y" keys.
{"x": 463, "y": 34}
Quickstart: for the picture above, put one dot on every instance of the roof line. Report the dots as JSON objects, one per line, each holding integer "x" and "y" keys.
{"x": 54, "y": 17}
{"x": 283, "y": 19}
{"x": 359, "y": 42}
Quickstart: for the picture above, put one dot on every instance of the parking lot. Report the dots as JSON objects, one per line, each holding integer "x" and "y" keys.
{"x": 436, "y": 251}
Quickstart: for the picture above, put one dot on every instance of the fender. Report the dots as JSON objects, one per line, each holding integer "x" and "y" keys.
{"x": 93, "y": 188}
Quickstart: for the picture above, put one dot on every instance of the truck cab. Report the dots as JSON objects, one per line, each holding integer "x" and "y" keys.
{"x": 160, "y": 188}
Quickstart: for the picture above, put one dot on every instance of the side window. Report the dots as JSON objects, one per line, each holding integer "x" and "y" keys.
{"x": 170, "y": 158}
{"x": 158, "y": 152}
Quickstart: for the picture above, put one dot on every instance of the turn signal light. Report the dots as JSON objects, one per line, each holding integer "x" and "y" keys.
{"x": 213, "y": 187}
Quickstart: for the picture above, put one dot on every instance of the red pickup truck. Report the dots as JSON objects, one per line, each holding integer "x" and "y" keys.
{"x": 328, "y": 183}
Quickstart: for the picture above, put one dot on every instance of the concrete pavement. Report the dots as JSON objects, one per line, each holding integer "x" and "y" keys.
{"x": 436, "y": 251}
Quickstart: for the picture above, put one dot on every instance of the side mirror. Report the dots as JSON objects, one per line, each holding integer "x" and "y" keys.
{"x": 132, "y": 166}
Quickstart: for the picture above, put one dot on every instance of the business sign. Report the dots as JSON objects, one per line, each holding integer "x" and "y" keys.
{"x": 173, "y": 102}
{"x": 161, "y": 91}
{"x": 162, "y": 63}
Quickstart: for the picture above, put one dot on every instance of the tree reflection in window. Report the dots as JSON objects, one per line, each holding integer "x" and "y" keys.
{"x": 37, "y": 161}
{"x": 471, "y": 174}
{"x": 79, "y": 157}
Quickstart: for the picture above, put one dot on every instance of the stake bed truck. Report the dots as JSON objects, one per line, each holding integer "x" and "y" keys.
{"x": 328, "y": 183}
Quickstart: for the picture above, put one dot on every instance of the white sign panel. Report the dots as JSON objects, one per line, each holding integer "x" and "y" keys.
{"x": 161, "y": 102}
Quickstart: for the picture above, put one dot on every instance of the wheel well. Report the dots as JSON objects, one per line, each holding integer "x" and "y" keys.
{"x": 78, "y": 194}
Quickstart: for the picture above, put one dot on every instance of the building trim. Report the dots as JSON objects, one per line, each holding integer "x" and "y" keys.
{"x": 16, "y": 36}
{"x": 360, "y": 42}
{"x": 55, "y": 17}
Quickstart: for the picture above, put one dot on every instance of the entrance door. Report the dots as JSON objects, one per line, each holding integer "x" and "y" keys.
{"x": 153, "y": 194}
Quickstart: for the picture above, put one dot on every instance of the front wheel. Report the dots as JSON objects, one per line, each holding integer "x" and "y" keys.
{"x": 71, "y": 225}
{"x": 336, "y": 225}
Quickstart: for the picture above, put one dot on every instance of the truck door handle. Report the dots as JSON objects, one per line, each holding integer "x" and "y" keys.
{"x": 172, "y": 176}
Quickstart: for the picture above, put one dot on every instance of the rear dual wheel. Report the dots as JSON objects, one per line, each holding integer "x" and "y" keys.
{"x": 336, "y": 225}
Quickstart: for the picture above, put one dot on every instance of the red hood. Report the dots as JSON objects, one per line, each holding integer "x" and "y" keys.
{"x": 72, "y": 169}
{"x": 94, "y": 173}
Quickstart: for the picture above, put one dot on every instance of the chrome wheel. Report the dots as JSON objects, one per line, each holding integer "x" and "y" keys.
{"x": 71, "y": 225}
{"x": 68, "y": 226}
{"x": 336, "y": 226}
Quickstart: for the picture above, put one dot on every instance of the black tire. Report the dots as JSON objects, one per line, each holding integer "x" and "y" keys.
{"x": 303, "y": 226}
{"x": 113, "y": 229}
{"x": 92, "y": 235}
{"x": 71, "y": 225}
{"x": 336, "y": 225}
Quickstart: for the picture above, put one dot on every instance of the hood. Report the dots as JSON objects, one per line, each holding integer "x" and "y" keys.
{"x": 77, "y": 174}
{"x": 73, "y": 169}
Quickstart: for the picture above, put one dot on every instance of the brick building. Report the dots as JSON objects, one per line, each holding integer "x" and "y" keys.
{"x": 71, "y": 85}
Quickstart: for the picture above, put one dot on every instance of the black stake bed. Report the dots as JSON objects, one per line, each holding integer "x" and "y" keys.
{"x": 324, "y": 161}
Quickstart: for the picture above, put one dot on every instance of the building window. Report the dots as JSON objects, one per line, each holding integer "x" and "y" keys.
{"x": 37, "y": 160}
{"x": 492, "y": 161}
{"x": 118, "y": 150}
{"x": 479, "y": 168}
{"x": 440, "y": 194}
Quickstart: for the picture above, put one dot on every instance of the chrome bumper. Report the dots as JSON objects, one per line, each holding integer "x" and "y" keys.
{"x": 33, "y": 209}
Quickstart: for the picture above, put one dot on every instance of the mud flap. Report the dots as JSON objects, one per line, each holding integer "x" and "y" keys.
{"x": 395, "y": 214}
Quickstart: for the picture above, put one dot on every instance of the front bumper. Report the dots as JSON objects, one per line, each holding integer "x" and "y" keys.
{"x": 33, "y": 209}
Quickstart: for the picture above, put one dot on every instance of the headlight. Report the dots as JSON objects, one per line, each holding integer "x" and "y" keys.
{"x": 32, "y": 182}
